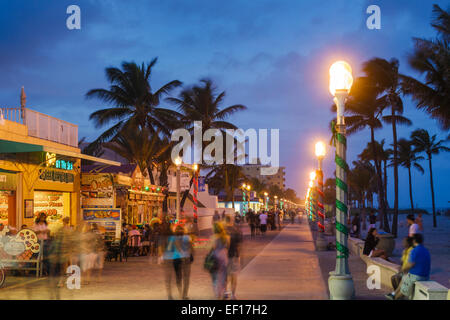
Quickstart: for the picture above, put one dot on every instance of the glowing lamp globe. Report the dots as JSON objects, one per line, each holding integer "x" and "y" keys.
{"x": 320, "y": 149}
{"x": 341, "y": 78}
{"x": 312, "y": 175}
{"x": 195, "y": 167}
{"x": 178, "y": 161}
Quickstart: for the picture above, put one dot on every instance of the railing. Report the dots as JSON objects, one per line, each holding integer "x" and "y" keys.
{"x": 43, "y": 126}
{"x": 11, "y": 114}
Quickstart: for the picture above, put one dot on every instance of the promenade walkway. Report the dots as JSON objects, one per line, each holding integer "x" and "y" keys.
{"x": 286, "y": 269}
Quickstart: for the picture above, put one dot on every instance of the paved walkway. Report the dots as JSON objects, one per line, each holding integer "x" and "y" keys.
{"x": 286, "y": 269}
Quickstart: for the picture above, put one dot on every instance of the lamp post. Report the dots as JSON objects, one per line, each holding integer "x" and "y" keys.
{"x": 266, "y": 197}
{"x": 276, "y": 202}
{"x": 312, "y": 185}
{"x": 321, "y": 243}
{"x": 195, "y": 168}
{"x": 340, "y": 281}
{"x": 178, "y": 164}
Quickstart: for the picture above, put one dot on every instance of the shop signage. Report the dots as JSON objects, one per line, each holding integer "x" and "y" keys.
{"x": 101, "y": 214}
{"x": 52, "y": 161}
{"x": 57, "y": 176}
{"x": 97, "y": 191}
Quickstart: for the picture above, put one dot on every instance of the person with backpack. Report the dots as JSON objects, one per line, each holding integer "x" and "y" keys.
{"x": 217, "y": 260}
{"x": 234, "y": 253}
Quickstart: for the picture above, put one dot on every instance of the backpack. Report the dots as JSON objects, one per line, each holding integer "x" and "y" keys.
{"x": 211, "y": 264}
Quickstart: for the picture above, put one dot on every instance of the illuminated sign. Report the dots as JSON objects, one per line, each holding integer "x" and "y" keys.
{"x": 51, "y": 161}
{"x": 56, "y": 176}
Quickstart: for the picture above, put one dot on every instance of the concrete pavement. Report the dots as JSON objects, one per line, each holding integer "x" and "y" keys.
{"x": 286, "y": 269}
{"x": 283, "y": 265}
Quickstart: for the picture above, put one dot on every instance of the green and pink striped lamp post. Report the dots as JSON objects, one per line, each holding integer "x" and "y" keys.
{"x": 340, "y": 281}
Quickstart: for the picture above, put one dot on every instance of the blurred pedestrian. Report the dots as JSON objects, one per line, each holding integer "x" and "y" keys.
{"x": 252, "y": 223}
{"x": 355, "y": 230}
{"x": 220, "y": 244}
{"x": 234, "y": 254}
{"x": 263, "y": 222}
{"x": 42, "y": 231}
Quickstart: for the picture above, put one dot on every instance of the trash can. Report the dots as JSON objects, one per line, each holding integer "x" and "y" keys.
{"x": 386, "y": 243}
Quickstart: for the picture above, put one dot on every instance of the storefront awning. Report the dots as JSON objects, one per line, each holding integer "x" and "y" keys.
{"x": 7, "y": 146}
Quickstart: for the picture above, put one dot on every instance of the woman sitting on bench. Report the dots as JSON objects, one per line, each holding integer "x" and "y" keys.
{"x": 370, "y": 245}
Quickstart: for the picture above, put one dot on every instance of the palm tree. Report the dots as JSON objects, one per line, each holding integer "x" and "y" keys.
{"x": 203, "y": 103}
{"x": 386, "y": 76}
{"x": 424, "y": 143}
{"x": 258, "y": 186}
{"x": 132, "y": 101}
{"x": 140, "y": 147}
{"x": 383, "y": 155}
{"x": 227, "y": 177}
{"x": 361, "y": 178}
{"x": 364, "y": 108}
{"x": 431, "y": 58}
{"x": 407, "y": 158}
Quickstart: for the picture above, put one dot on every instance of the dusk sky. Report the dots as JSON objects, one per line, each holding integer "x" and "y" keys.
{"x": 272, "y": 56}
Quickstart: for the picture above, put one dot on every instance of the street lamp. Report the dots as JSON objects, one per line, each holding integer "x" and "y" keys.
{"x": 178, "y": 164}
{"x": 340, "y": 281}
{"x": 266, "y": 197}
{"x": 195, "y": 168}
{"x": 276, "y": 202}
{"x": 321, "y": 243}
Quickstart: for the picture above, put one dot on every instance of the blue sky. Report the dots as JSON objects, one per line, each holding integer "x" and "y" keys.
{"x": 272, "y": 56}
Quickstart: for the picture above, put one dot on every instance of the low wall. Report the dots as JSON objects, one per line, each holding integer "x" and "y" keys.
{"x": 388, "y": 269}
{"x": 205, "y": 216}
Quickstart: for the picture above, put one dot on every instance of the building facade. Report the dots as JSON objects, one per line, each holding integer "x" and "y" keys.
{"x": 254, "y": 171}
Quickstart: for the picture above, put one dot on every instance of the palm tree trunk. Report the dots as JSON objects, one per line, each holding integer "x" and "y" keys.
{"x": 150, "y": 175}
{"x": 432, "y": 192}
{"x": 384, "y": 223}
{"x": 394, "y": 133}
{"x": 410, "y": 191}
{"x": 385, "y": 183}
{"x": 186, "y": 193}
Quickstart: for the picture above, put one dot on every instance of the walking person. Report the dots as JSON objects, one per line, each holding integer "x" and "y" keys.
{"x": 42, "y": 231}
{"x": 252, "y": 223}
{"x": 166, "y": 256}
{"x": 413, "y": 226}
{"x": 372, "y": 219}
{"x": 180, "y": 244}
{"x": 220, "y": 244}
{"x": 234, "y": 253}
{"x": 355, "y": 226}
{"x": 263, "y": 222}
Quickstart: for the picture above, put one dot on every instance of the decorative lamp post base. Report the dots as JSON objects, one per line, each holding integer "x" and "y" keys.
{"x": 341, "y": 287}
{"x": 321, "y": 243}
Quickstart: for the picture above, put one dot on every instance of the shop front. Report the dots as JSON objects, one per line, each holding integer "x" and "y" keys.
{"x": 35, "y": 181}
{"x": 8, "y": 186}
{"x": 123, "y": 189}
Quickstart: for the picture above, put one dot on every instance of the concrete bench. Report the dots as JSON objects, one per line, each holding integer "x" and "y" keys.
{"x": 430, "y": 290}
{"x": 356, "y": 246}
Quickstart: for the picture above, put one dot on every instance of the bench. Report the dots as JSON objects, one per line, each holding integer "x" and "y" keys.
{"x": 430, "y": 290}
{"x": 22, "y": 251}
{"x": 17, "y": 264}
